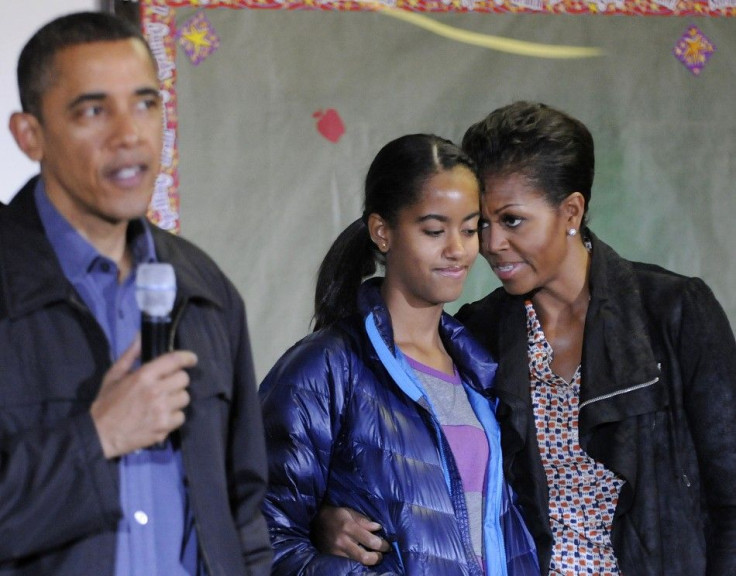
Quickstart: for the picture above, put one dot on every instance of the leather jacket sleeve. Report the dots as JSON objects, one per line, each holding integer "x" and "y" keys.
{"x": 707, "y": 351}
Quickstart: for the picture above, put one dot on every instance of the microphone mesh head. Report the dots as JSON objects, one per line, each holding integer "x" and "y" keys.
{"x": 155, "y": 288}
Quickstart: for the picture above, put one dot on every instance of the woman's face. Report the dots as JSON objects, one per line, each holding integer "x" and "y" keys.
{"x": 434, "y": 242}
{"x": 523, "y": 237}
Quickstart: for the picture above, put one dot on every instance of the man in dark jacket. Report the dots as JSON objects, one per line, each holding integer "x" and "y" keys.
{"x": 107, "y": 466}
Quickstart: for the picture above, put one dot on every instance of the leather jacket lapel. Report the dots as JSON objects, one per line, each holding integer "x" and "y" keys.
{"x": 620, "y": 374}
{"x": 512, "y": 380}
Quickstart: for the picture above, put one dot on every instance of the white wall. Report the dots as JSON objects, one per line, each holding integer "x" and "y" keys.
{"x": 18, "y": 21}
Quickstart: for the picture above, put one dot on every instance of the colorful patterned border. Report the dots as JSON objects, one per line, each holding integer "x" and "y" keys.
{"x": 157, "y": 18}
{"x": 626, "y": 7}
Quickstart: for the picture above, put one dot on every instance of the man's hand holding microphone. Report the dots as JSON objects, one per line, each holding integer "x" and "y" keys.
{"x": 139, "y": 407}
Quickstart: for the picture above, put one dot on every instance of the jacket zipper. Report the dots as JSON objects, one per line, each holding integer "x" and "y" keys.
{"x": 619, "y": 392}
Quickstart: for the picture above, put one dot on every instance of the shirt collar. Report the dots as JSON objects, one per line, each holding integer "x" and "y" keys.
{"x": 75, "y": 254}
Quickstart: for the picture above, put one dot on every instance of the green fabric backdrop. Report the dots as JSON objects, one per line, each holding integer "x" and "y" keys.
{"x": 265, "y": 193}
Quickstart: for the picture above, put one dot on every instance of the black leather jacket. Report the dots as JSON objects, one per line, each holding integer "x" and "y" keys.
{"x": 59, "y": 496}
{"x": 657, "y": 406}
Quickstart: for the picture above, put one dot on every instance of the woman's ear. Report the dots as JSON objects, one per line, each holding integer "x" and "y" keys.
{"x": 573, "y": 208}
{"x": 379, "y": 231}
{"x": 28, "y": 134}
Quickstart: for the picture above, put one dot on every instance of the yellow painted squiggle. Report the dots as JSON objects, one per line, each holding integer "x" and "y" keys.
{"x": 499, "y": 43}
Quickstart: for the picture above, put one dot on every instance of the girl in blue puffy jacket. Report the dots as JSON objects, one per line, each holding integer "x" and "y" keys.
{"x": 386, "y": 409}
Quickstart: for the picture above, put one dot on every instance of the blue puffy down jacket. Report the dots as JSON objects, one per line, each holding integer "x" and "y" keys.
{"x": 340, "y": 430}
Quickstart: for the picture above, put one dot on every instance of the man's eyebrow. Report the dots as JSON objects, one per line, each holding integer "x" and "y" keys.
{"x": 88, "y": 97}
{"x": 100, "y": 96}
{"x": 148, "y": 91}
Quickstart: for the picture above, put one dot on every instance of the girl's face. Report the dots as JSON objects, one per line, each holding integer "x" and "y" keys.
{"x": 435, "y": 241}
{"x": 523, "y": 237}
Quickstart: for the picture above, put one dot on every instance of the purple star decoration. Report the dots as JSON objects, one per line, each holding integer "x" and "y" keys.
{"x": 198, "y": 38}
{"x": 694, "y": 49}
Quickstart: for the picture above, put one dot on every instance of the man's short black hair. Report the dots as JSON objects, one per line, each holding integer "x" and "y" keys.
{"x": 35, "y": 65}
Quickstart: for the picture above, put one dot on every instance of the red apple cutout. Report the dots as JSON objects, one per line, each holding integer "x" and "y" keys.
{"x": 329, "y": 124}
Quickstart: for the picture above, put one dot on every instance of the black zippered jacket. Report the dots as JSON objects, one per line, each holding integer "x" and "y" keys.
{"x": 657, "y": 407}
{"x": 59, "y": 496}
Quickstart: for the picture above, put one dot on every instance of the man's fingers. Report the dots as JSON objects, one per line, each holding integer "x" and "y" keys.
{"x": 180, "y": 400}
{"x": 168, "y": 371}
{"x": 171, "y": 362}
{"x": 124, "y": 364}
{"x": 177, "y": 420}
{"x": 143, "y": 406}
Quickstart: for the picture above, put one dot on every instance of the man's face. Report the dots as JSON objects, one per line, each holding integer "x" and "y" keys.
{"x": 100, "y": 136}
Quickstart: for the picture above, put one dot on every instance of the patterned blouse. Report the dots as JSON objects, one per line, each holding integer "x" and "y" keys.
{"x": 582, "y": 493}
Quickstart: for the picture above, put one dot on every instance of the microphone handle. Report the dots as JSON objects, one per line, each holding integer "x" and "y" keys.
{"x": 154, "y": 336}
{"x": 154, "y": 343}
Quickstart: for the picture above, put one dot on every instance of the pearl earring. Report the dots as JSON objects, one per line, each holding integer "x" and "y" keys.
{"x": 572, "y": 232}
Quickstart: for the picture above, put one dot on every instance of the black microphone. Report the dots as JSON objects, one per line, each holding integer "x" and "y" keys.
{"x": 155, "y": 292}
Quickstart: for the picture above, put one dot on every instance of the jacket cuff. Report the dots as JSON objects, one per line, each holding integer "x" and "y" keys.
{"x": 103, "y": 473}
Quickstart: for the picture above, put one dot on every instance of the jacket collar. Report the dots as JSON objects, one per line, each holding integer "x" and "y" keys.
{"x": 474, "y": 363}
{"x": 194, "y": 280}
{"x": 617, "y": 352}
{"x": 31, "y": 275}
{"x": 618, "y": 360}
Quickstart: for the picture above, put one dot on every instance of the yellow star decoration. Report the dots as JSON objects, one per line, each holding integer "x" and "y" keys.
{"x": 197, "y": 37}
{"x": 695, "y": 49}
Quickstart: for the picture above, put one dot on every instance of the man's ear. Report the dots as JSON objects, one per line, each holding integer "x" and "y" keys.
{"x": 28, "y": 134}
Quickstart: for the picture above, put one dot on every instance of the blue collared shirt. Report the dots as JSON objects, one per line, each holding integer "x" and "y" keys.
{"x": 156, "y": 535}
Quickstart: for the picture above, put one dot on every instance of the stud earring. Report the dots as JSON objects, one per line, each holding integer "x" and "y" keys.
{"x": 572, "y": 232}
